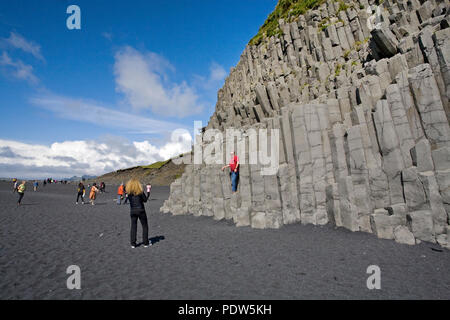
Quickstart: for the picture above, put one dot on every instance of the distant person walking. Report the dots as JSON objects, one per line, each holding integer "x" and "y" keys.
{"x": 21, "y": 191}
{"x": 126, "y": 194}
{"x": 102, "y": 187}
{"x": 137, "y": 199}
{"x": 234, "y": 171}
{"x": 93, "y": 193}
{"x": 45, "y": 183}
{"x": 81, "y": 190}
{"x": 15, "y": 184}
{"x": 120, "y": 193}
{"x": 35, "y": 186}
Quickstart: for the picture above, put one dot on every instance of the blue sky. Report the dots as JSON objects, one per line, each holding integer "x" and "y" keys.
{"x": 110, "y": 95}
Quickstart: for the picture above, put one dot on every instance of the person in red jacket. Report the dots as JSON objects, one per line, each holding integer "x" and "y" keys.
{"x": 234, "y": 171}
{"x": 120, "y": 193}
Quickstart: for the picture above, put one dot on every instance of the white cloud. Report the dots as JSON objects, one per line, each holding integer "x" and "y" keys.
{"x": 17, "y": 68}
{"x": 180, "y": 142}
{"x": 107, "y": 35}
{"x": 95, "y": 157}
{"x": 217, "y": 72}
{"x": 92, "y": 112}
{"x": 17, "y": 41}
{"x": 213, "y": 81}
{"x": 143, "y": 79}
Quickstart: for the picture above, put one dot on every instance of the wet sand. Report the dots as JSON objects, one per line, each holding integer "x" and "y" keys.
{"x": 196, "y": 257}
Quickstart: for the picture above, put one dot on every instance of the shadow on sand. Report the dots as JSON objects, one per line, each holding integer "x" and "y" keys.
{"x": 152, "y": 240}
{"x": 156, "y": 239}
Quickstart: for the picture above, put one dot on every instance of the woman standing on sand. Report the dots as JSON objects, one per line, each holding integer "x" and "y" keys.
{"x": 137, "y": 199}
{"x": 93, "y": 193}
{"x": 21, "y": 191}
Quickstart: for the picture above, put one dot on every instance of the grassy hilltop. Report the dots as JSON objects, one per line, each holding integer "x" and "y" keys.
{"x": 161, "y": 173}
{"x": 287, "y": 10}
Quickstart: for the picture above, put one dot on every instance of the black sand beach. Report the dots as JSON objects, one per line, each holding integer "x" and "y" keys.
{"x": 199, "y": 258}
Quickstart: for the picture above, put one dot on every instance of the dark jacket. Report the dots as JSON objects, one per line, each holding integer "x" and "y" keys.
{"x": 137, "y": 201}
{"x": 81, "y": 188}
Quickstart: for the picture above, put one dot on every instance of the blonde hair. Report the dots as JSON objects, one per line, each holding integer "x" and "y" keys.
{"x": 134, "y": 187}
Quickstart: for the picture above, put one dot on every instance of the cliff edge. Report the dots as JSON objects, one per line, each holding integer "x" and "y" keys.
{"x": 359, "y": 93}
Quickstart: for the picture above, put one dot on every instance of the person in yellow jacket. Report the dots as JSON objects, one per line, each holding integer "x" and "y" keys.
{"x": 21, "y": 191}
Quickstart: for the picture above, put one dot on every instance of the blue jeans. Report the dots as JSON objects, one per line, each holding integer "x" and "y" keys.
{"x": 234, "y": 181}
{"x": 119, "y": 199}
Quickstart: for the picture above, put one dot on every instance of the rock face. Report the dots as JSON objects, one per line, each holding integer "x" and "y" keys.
{"x": 360, "y": 98}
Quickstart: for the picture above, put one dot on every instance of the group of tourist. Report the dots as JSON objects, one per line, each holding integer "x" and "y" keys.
{"x": 132, "y": 192}
{"x": 81, "y": 191}
{"x": 51, "y": 180}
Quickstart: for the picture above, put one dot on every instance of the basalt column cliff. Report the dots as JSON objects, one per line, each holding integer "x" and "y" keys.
{"x": 360, "y": 94}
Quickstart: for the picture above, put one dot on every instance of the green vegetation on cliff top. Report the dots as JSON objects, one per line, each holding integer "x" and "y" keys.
{"x": 287, "y": 10}
{"x": 155, "y": 165}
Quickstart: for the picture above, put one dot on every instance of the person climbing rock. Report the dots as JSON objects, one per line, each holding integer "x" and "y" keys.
{"x": 234, "y": 171}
